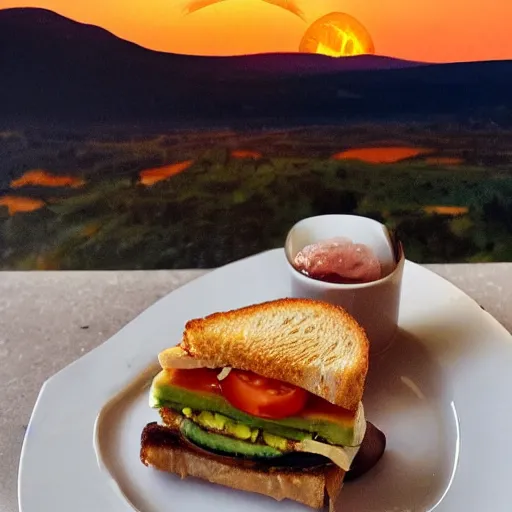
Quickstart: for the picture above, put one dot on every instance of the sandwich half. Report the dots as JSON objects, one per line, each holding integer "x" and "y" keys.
{"x": 266, "y": 399}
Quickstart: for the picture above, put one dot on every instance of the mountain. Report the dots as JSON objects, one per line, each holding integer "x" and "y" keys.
{"x": 53, "y": 69}
{"x": 285, "y": 64}
{"x": 26, "y": 26}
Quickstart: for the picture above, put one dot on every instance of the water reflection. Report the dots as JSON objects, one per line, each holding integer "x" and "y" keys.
{"x": 381, "y": 155}
{"x": 42, "y": 178}
{"x": 149, "y": 177}
{"x": 447, "y": 210}
{"x": 246, "y": 154}
{"x": 16, "y": 204}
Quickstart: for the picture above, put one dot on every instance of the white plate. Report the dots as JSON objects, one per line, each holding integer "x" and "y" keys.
{"x": 441, "y": 395}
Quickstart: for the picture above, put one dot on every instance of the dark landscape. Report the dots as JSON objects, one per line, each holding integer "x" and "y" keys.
{"x": 114, "y": 156}
{"x": 55, "y": 69}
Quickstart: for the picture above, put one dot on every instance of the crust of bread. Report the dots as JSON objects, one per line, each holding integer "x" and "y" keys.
{"x": 163, "y": 451}
{"x": 311, "y": 344}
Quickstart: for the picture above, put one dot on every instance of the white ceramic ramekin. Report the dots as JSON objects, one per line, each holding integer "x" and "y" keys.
{"x": 374, "y": 305}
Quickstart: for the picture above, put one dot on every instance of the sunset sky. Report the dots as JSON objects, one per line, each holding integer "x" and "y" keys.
{"x": 426, "y": 30}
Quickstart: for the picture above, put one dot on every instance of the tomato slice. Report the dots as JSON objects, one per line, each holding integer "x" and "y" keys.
{"x": 202, "y": 380}
{"x": 259, "y": 396}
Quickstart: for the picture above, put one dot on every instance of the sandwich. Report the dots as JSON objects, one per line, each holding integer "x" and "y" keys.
{"x": 266, "y": 399}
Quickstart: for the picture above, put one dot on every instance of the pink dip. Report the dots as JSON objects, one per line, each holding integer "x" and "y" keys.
{"x": 339, "y": 260}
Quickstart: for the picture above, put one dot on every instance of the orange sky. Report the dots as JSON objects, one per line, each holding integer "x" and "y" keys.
{"x": 428, "y": 30}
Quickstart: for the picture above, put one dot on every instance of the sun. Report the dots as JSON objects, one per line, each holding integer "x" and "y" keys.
{"x": 338, "y": 35}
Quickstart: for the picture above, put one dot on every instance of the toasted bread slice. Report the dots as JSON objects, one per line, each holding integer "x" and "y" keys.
{"x": 311, "y": 344}
{"x": 161, "y": 449}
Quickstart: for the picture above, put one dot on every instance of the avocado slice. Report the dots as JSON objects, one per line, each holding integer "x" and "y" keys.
{"x": 220, "y": 443}
{"x": 277, "y": 430}
{"x": 164, "y": 394}
{"x": 217, "y": 422}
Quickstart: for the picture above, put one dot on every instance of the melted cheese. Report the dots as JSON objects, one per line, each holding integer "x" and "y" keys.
{"x": 178, "y": 359}
{"x": 342, "y": 456}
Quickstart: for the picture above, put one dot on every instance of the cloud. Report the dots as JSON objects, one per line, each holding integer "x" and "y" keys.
{"x": 288, "y": 5}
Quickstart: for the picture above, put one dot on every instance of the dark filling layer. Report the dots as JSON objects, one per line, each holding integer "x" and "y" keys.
{"x": 163, "y": 437}
{"x": 371, "y": 451}
{"x": 291, "y": 461}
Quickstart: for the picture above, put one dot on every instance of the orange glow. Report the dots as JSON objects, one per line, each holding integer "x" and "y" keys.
{"x": 425, "y": 30}
{"x": 149, "y": 177}
{"x": 42, "y": 178}
{"x": 381, "y": 155}
{"x": 20, "y": 204}
{"x": 337, "y": 35}
{"x": 444, "y": 160}
{"x": 447, "y": 210}
{"x": 242, "y": 153}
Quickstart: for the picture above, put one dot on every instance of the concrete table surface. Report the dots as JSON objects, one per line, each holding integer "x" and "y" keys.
{"x": 49, "y": 319}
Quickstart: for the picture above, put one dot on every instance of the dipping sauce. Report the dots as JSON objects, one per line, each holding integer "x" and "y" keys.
{"x": 339, "y": 260}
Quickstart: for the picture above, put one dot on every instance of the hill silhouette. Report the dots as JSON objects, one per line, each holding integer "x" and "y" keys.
{"x": 56, "y": 69}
